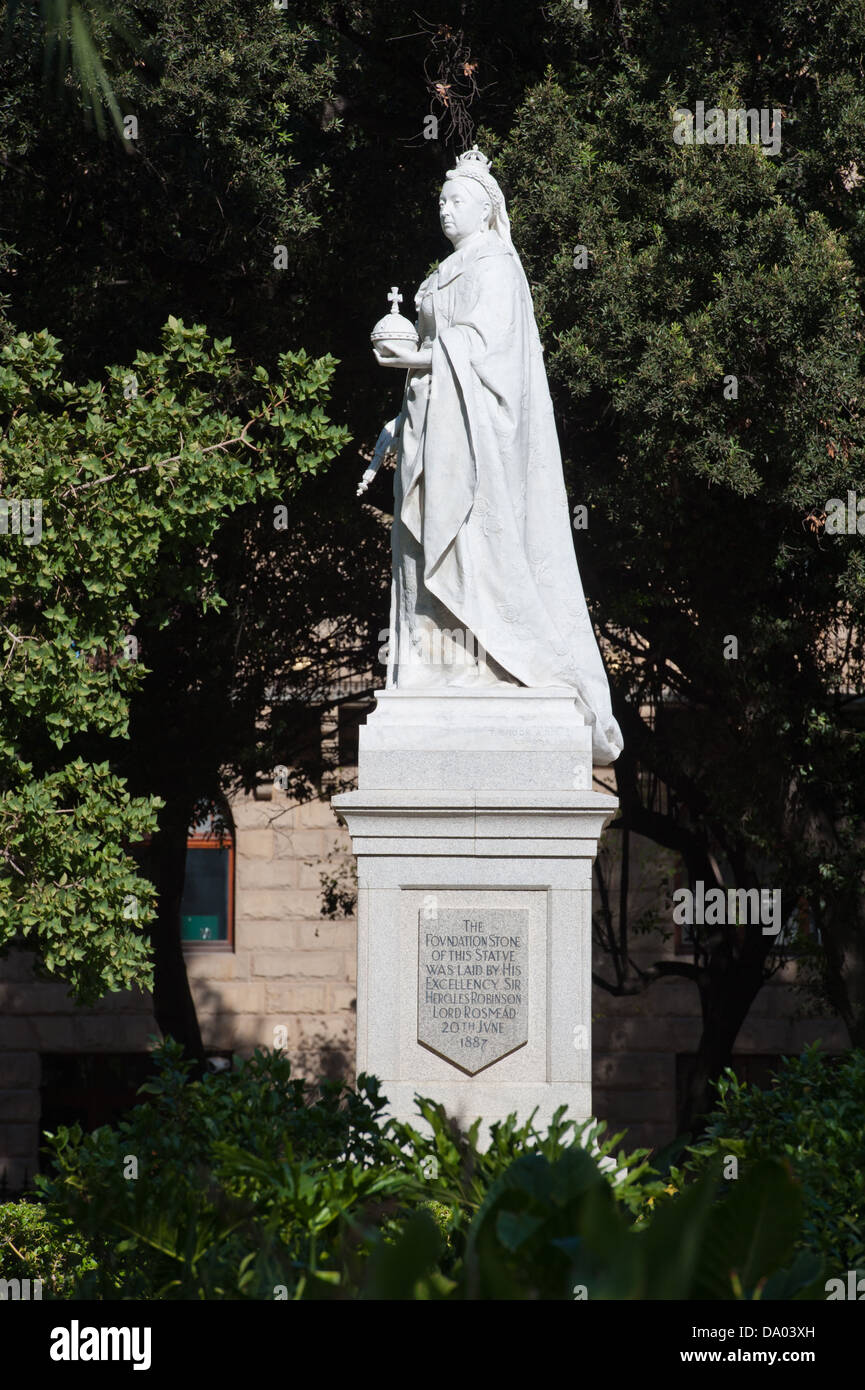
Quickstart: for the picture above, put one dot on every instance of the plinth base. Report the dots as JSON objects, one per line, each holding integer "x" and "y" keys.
{"x": 474, "y": 903}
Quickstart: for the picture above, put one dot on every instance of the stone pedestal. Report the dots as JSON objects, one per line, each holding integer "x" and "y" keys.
{"x": 475, "y": 827}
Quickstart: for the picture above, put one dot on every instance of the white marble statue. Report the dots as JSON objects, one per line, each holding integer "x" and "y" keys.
{"x": 486, "y": 589}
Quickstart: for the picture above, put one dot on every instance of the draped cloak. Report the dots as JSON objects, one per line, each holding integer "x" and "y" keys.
{"x": 482, "y": 538}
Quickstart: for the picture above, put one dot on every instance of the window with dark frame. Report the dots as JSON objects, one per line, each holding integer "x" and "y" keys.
{"x": 207, "y": 906}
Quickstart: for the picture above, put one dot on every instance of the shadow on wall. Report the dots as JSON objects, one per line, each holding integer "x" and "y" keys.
{"x": 319, "y": 1042}
{"x": 331, "y": 1064}
{"x": 321, "y": 1055}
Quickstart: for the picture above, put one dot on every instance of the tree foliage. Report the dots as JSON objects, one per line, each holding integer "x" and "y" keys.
{"x": 132, "y": 476}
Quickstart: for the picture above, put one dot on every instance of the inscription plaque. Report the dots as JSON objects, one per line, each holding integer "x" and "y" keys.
{"x": 473, "y": 979}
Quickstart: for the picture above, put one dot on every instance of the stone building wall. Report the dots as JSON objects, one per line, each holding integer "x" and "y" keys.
{"x": 637, "y": 1040}
{"x": 292, "y": 968}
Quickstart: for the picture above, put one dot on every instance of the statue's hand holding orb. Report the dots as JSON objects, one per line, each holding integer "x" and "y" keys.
{"x": 398, "y": 355}
{"x": 394, "y": 339}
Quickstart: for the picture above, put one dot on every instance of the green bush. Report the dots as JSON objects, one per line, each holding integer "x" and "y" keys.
{"x": 251, "y": 1181}
{"x": 554, "y": 1230}
{"x": 813, "y": 1116}
{"x": 169, "y": 1216}
{"x": 32, "y": 1247}
{"x": 251, "y": 1184}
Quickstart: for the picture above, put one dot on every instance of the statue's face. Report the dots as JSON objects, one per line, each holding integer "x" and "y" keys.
{"x": 464, "y": 209}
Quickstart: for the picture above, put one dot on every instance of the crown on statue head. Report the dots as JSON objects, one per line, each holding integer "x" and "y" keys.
{"x": 472, "y": 158}
{"x": 474, "y": 165}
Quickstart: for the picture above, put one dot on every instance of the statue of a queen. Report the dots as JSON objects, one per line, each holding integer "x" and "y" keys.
{"x": 486, "y": 590}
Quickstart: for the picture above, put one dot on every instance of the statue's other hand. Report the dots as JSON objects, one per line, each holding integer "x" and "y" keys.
{"x": 385, "y": 444}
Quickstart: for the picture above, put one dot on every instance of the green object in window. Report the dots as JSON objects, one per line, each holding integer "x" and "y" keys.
{"x": 201, "y": 928}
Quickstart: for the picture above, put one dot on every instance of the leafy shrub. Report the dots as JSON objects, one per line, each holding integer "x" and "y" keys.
{"x": 251, "y": 1184}
{"x": 31, "y": 1248}
{"x": 553, "y": 1230}
{"x": 165, "y": 1211}
{"x": 814, "y": 1117}
{"x": 251, "y": 1180}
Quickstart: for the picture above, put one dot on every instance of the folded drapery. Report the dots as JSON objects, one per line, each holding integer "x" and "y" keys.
{"x": 482, "y": 539}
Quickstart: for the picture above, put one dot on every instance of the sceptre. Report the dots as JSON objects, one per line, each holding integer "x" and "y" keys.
{"x": 385, "y": 444}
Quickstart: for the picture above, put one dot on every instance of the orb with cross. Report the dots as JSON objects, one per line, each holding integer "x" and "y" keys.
{"x": 394, "y": 328}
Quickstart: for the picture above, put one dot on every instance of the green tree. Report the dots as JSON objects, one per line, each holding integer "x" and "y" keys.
{"x": 75, "y": 35}
{"x": 113, "y": 493}
{"x": 708, "y": 362}
{"x": 249, "y": 683}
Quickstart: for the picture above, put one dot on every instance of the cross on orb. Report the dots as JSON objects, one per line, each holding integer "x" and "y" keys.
{"x": 394, "y": 299}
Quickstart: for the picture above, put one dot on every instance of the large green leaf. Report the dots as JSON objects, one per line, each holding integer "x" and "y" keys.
{"x": 751, "y": 1233}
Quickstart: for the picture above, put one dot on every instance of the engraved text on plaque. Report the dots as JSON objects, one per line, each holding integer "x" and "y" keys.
{"x": 473, "y": 1005}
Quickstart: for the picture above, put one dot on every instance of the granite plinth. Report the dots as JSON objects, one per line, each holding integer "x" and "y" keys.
{"x": 512, "y": 854}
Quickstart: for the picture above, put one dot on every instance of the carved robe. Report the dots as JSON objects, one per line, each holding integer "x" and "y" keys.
{"x": 482, "y": 539}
